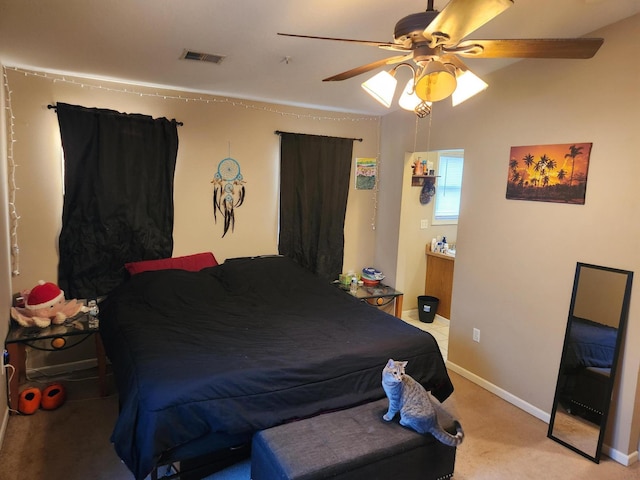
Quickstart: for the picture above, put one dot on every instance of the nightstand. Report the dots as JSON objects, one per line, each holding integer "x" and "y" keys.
{"x": 53, "y": 338}
{"x": 379, "y": 296}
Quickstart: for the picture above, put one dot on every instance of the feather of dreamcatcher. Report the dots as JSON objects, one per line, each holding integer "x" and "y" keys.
{"x": 240, "y": 196}
{"x": 216, "y": 203}
{"x": 227, "y": 219}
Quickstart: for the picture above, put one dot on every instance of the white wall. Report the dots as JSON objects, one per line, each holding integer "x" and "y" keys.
{"x": 516, "y": 259}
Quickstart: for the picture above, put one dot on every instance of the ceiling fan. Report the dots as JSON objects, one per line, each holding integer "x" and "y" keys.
{"x": 434, "y": 41}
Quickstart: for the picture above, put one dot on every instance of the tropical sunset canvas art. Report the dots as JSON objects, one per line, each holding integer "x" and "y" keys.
{"x": 549, "y": 173}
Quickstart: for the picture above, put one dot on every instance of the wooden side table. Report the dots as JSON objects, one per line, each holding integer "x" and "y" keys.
{"x": 55, "y": 337}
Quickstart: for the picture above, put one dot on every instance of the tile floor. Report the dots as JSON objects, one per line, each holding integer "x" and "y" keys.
{"x": 439, "y": 328}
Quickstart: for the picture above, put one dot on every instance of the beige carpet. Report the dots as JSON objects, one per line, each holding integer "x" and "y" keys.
{"x": 502, "y": 442}
{"x": 71, "y": 442}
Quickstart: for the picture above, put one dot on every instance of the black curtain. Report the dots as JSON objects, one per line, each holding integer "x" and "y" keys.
{"x": 118, "y": 199}
{"x": 314, "y": 186}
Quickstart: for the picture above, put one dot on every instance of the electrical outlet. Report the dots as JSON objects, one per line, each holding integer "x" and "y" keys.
{"x": 424, "y": 223}
{"x": 476, "y": 335}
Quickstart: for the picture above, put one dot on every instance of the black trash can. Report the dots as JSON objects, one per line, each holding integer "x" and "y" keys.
{"x": 427, "y": 307}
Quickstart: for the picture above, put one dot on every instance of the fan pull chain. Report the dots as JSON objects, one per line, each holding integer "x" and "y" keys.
{"x": 429, "y": 133}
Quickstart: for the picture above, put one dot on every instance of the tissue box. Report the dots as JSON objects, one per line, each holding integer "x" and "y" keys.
{"x": 345, "y": 278}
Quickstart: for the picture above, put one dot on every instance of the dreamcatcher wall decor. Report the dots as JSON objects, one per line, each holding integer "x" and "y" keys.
{"x": 228, "y": 191}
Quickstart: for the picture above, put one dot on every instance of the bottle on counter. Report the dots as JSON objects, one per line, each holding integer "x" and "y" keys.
{"x": 94, "y": 310}
{"x": 418, "y": 167}
{"x": 353, "y": 287}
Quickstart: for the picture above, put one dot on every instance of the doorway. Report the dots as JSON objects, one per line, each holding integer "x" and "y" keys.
{"x": 418, "y": 222}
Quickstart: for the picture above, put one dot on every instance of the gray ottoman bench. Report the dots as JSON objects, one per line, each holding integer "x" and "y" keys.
{"x": 351, "y": 444}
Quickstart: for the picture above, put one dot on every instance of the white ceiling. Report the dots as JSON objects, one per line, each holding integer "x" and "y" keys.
{"x": 141, "y": 41}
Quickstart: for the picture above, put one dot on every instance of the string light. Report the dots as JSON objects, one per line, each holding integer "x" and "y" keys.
{"x": 13, "y": 212}
{"x": 376, "y": 187}
{"x": 221, "y": 100}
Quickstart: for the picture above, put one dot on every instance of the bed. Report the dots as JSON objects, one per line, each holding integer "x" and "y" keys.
{"x": 204, "y": 359}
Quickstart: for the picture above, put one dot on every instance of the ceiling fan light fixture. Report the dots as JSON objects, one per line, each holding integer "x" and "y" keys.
{"x": 437, "y": 81}
{"x": 410, "y": 101}
{"x": 469, "y": 85}
{"x": 433, "y": 40}
{"x": 423, "y": 109}
{"x": 382, "y": 87}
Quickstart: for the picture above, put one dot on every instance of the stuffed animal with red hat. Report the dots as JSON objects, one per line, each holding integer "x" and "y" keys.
{"x": 45, "y": 304}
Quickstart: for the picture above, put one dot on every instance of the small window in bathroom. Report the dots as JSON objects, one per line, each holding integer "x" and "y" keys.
{"x": 448, "y": 187}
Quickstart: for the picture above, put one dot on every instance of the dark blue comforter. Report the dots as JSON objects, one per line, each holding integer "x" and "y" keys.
{"x": 207, "y": 358}
{"x": 590, "y": 344}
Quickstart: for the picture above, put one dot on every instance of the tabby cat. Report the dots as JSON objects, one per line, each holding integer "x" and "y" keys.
{"x": 414, "y": 404}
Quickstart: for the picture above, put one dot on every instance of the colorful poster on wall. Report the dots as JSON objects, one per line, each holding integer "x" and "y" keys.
{"x": 549, "y": 173}
{"x": 366, "y": 171}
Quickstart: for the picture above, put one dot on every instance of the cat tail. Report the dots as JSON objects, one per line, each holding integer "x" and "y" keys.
{"x": 447, "y": 438}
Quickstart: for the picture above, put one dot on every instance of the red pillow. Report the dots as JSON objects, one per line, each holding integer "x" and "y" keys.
{"x": 192, "y": 263}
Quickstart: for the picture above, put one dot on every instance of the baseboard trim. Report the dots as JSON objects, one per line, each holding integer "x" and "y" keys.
{"x": 3, "y": 427}
{"x": 503, "y": 394}
{"x": 620, "y": 457}
{"x": 612, "y": 453}
{"x": 61, "y": 368}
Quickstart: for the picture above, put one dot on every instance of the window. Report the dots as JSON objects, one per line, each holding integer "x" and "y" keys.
{"x": 448, "y": 187}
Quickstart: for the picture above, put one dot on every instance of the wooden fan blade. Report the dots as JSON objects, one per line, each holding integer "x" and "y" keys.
{"x": 530, "y": 48}
{"x": 461, "y": 17}
{"x": 363, "y": 42}
{"x": 367, "y": 68}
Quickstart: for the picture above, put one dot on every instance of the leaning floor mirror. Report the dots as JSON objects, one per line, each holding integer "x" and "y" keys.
{"x": 595, "y": 328}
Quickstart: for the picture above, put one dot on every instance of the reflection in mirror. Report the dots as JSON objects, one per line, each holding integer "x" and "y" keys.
{"x": 597, "y": 318}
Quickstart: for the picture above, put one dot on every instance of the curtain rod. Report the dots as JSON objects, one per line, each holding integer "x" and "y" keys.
{"x": 278, "y": 132}
{"x": 54, "y": 107}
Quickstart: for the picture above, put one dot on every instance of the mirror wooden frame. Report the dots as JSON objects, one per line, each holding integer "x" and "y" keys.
{"x": 579, "y": 319}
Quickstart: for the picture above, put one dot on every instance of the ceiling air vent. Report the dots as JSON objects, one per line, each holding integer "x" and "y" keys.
{"x": 202, "y": 57}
